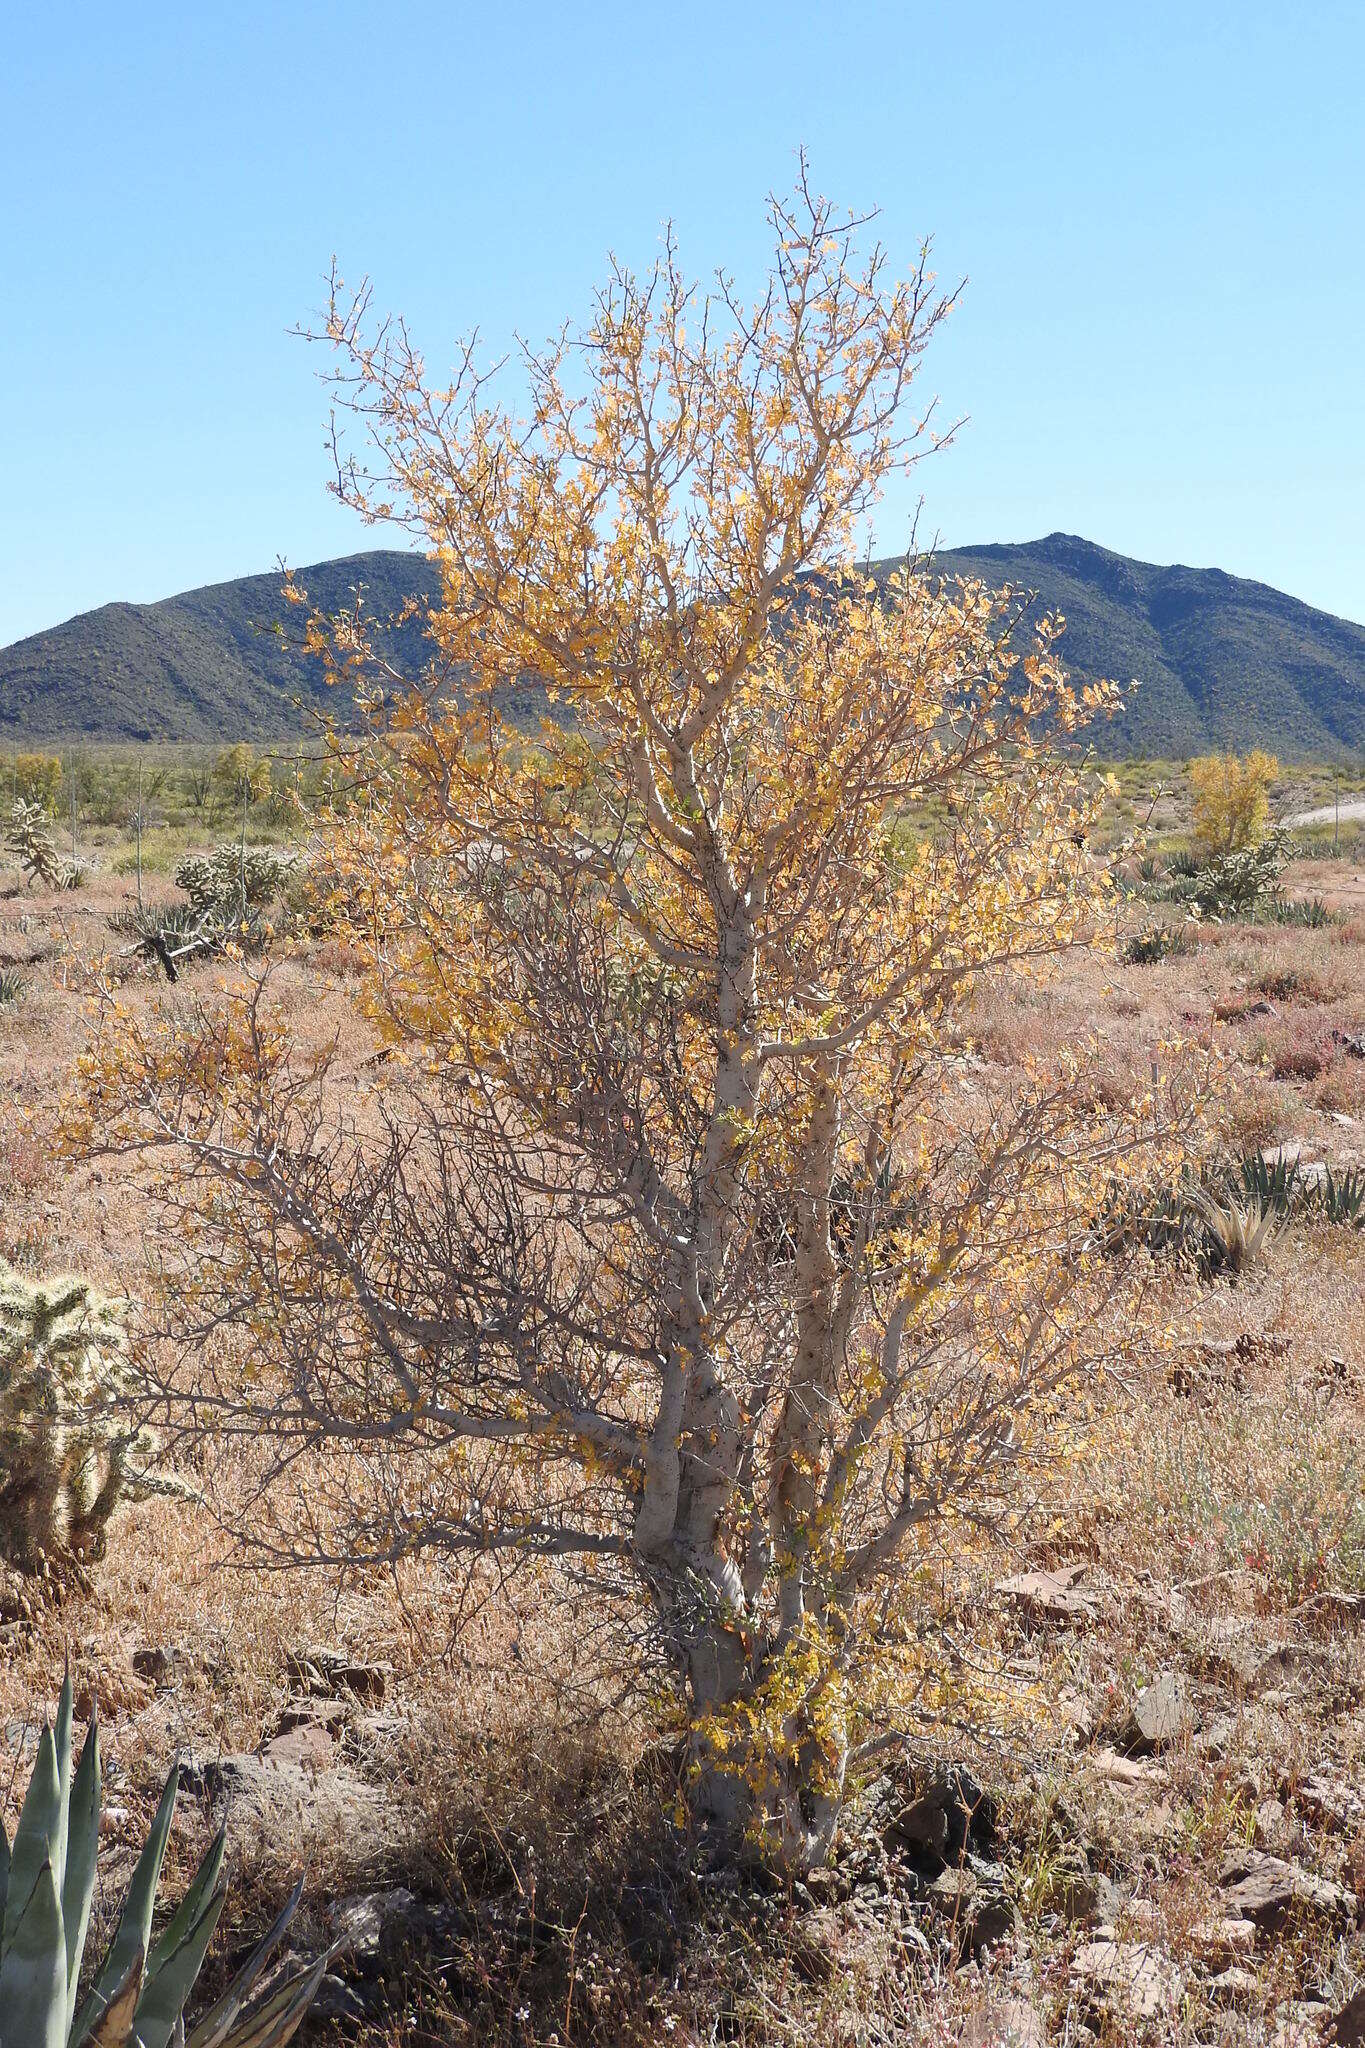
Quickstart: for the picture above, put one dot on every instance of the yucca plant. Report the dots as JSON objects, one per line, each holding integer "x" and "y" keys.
{"x": 1275, "y": 1184}
{"x": 1342, "y": 1196}
{"x": 12, "y": 986}
{"x": 1310, "y": 915}
{"x": 47, "y": 1883}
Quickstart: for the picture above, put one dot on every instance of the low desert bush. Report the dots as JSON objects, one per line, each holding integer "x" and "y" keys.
{"x": 1272, "y": 1487}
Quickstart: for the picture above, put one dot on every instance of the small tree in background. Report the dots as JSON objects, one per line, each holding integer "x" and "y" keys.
{"x": 1232, "y": 800}
{"x": 37, "y": 779}
{"x": 686, "y": 1254}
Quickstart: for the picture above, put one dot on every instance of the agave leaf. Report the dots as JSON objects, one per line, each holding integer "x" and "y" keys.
{"x": 212, "y": 2028}
{"x": 115, "y": 2030}
{"x": 61, "y": 1742}
{"x": 4, "y": 1869}
{"x": 36, "y": 1835}
{"x": 204, "y": 1881}
{"x": 276, "y": 2017}
{"x": 33, "y": 1969}
{"x": 160, "y": 2008}
{"x": 82, "y": 1854}
{"x": 135, "y": 1922}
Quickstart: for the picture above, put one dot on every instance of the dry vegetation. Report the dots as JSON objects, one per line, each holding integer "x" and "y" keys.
{"x": 1204, "y": 1522}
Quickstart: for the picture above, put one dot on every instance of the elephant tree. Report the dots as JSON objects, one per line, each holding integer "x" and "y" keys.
{"x": 689, "y": 1250}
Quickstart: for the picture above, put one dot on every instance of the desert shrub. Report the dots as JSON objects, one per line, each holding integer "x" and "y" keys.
{"x": 1294, "y": 984}
{"x": 1296, "y": 1052}
{"x": 71, "y": 1444}
{"x": 665, "y": 978}
{"x": 1160, "y": 942}
{"x": 1340, "y": 1194}
{"x": 1341, "y": 1088}
{"x": 1231, "y": 801}
{"x": 235, "y": 881}
{"x": 1272, "y": 1489}
{"x": 37, "y": 779}
{"x": 12, "y": 986}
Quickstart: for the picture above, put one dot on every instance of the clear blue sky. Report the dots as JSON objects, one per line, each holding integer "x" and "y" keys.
{"x": 1160, "y": 208}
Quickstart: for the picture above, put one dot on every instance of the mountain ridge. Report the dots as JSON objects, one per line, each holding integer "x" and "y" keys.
{"x": 1219, "y": 659}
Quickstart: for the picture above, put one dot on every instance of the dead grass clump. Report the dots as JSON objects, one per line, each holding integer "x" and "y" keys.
{"x": 1341, "y": 1088}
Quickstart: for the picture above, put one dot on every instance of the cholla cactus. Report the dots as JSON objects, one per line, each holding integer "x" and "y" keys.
{"x": 29, "y": 838}
{"x": 70, "y": 1444}
{"x": 235, "y": 880}
{"x": 47, "y": 1882}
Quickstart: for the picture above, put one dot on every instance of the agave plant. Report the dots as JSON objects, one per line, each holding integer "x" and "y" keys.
{"x": 1342, "y": 1196}
{"x": 1236, "y": 1228}
{"x": 47, "y": 1882}
{"x": 1276, "y": 1184}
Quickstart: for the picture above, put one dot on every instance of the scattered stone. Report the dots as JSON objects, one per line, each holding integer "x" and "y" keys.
{"x": 263, "y": 1801}
{"x": 162, "y": 1664}
{"x": 1214, "y": 1740}
{"x": 1329, "y": 1802}
{"x": 1128, "y": 1979}
{"x": 1346, "y": 2029}
{"x": 1270, "y": 1829}
{"x": 1163, "y": 1714}
{"x": 923, "y": 1824}
{"x": 1009, "y": 2023}
{"x": 1235, "y": 1986}
{"x": 816, "y": 1943}
{"x": 1228, "y": 1941}
{"x": 1085, "y": 1898}
{"x": 328, "y": 1673}
{"x": 1128, "y": 1772}
{"x": 1051, "y": 1596}
{"x": 1269, "y": 1891}
{"x": 954, "y": 1812}
{"x": 306, "y": 1743}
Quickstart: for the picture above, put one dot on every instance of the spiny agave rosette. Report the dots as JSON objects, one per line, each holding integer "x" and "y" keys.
{"x": 71, "y": 1443}
{"x": 47, "y": 1883}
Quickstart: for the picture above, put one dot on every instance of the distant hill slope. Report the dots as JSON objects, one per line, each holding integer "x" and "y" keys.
{"x": 1219, "y": 660}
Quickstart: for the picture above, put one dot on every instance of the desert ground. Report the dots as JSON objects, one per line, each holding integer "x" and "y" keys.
{"x": 1156, "y": 1832}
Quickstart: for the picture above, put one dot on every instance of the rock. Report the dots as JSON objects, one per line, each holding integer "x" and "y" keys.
{"x": 1236, "y": 1987}
{"x": 1130, "y": 1980}
{"x": 263, "y": 1801}
{"x": 308, "y": 1744}
{"x": 816, "y": 1942}
{"x": 1346, "y": 2028}
{"x": 1270, "y": 1892}
{"x": 1130, "y": 1773}
{"x": 1080, "y": 1896}
{"x": 1163, "y": 1714}
{"x": 1006, "y": 2023}
{"x": 1213, "y": 1740}
{"x": 328, "y": 1673}
{"x": 163, "y": 1664}
{"x": 974, "y": 1902}
{"x": 1329, "y": 1802}
{"x": 1270, "y": 1830}
{"x": 1051, "y": 1596}
{"x": 952, "y": 1813}
{"x": 923, "y": 1824}
{"x": 1228, "y": 1941}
